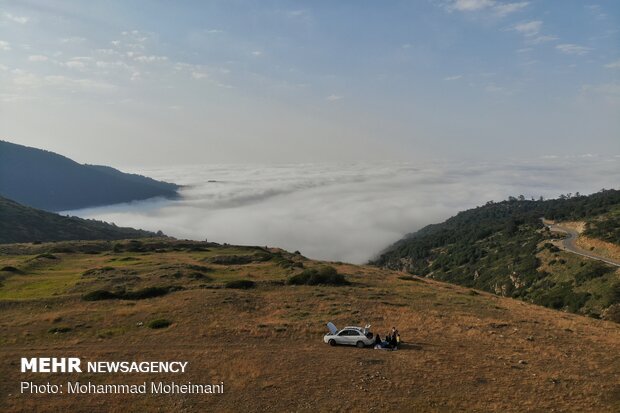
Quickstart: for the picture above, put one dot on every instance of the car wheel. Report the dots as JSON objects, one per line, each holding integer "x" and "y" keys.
{"x": 360, "y": 344}
{"x": 332, "y": 342}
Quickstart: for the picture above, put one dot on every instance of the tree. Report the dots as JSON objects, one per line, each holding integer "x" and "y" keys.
{"x": 511, "y": 227}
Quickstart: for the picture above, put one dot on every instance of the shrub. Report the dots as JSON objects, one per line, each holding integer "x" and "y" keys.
{"x": 197, "y": 275}
{"x": 129, "y": 259}
{"x": 325, "y": 275}
{"x": 134, "y": 246}
{"x": 613, "y": 295}
{"x": 612, "y": 313}
{"x": 241, "y": 284}
{"x": 99, "y": 295}
{"x": 159, "y": 323}
{"x": 408, "y": 278}
{"x": 96, "y": 271}
{"x": 591, "y": 270}
{"x": 47, "y": 255}
{"x": 200, "y": 268}
{"x": 197, "y": 248}
{"x": 562, "y": 296}
{"x": 551, "y": 247}
{"x": 232, "y": 259}
{"x": 149, "y": 292}
{"x": 284, "y": 262}
{"x": 56, "y": 330}
{"x": 262, "y": 256}
{"x": 62, "y": 249}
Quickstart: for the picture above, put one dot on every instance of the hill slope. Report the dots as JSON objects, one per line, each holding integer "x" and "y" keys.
{"x": 463, "y": 350}
{"x": 52, "y": 182}
{"x": 19, "y": 223}
{"x": 504, "y": 248}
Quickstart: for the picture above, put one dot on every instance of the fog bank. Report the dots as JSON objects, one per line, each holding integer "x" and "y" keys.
{"x": 345, "y": 212}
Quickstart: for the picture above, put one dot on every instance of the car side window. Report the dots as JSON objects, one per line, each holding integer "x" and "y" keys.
{"x": 344, "y": 333}
{"x": 355, "y": 333}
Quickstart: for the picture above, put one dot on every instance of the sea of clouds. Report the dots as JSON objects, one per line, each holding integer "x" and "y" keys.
{"x": 343, "y": 212}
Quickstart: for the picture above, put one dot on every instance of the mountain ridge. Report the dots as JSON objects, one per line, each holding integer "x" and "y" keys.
{"x": 20, "y": 223}
{"x": 53, "y": 182}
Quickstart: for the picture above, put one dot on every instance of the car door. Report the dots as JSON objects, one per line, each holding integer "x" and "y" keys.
{"x": 344, "y": 337}
{"x": 355, "y": 336}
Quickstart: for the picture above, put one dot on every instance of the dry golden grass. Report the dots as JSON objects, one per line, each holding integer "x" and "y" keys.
{"x": 597, "y": 246}
{"x": 463, "y": 350}
{"x": 578, "y": 226}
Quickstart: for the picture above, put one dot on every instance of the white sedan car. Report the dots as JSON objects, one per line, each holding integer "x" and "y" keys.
{"x": 351, "y": 336}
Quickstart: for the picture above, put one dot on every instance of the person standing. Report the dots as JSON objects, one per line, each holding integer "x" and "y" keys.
{"x": 394, "y": 338}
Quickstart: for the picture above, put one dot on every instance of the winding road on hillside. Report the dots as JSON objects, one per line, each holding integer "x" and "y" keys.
{"x": 569, "y": 244}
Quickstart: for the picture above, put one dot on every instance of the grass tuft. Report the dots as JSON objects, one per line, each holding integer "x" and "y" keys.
{"x": 324, "y": 275}
{"x": 241, "y": 284}
{"x": 159, "y": 323}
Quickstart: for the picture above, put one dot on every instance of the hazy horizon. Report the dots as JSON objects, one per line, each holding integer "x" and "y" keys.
{"x": 149, "y": 83}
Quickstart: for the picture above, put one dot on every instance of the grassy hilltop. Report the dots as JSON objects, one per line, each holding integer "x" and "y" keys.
{"x": 238, "y": 314}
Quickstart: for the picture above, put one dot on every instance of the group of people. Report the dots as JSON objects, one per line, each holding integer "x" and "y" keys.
{"x": 391, "y": 342}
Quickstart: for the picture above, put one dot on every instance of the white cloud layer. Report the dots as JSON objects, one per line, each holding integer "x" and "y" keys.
{"x": 37, "y": 58}
{"x": 507, "y": 8}
{"x": 499, "y": 8}
{"x": 16, "y": 19}
{"x": 573, "y": 49}
{"x": 471, "y": 5}
{"x": 529, "y": 28}
{"x": 343, "y": 212}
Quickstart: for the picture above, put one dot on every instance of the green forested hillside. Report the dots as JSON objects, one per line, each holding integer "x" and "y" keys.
{"x": 501, "y": 247}
{"x": 605, "y": 227}
{"x": 19, "y": 223}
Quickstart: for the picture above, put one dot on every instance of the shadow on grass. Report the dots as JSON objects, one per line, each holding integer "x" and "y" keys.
{"x": 411, "y": 346}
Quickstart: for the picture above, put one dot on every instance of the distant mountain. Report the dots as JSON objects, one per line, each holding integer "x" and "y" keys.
{"x": 19, "y": 223}
{"x": 52, "y": 182}
{"x": 504, "y": 248}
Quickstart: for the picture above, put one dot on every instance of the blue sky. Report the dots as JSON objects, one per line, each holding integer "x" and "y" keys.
{"x": 284, "y": 81}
